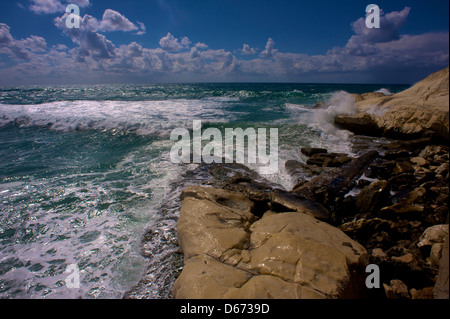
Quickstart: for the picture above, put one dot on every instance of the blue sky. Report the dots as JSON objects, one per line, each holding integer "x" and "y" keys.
{"x": 221, "y": 40}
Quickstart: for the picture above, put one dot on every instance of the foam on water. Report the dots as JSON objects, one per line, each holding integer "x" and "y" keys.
{"x": 141, "y": 117}
{"x": 90, "y": 216}
{"x": 321, "y": 121}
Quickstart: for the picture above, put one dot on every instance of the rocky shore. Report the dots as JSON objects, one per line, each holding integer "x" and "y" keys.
{"x": 244, "y": 237}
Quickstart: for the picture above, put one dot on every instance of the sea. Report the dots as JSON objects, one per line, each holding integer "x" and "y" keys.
{"x": 85, "y": 172}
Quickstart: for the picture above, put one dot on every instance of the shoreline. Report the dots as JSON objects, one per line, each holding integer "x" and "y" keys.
{"x": 392, "y": 217}
{"x": 387, "y": 208}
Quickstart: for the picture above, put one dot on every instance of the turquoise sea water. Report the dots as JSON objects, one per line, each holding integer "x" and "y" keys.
{"x": 84, "y": 170}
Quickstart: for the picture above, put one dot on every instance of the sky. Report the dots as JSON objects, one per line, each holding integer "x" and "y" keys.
{"x": 157, "y": 41}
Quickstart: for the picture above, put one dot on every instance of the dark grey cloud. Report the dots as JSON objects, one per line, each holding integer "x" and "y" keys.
{"x": 90, "y": 42}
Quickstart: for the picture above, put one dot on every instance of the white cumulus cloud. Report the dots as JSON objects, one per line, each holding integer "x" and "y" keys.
{"x": 170, "y": 43}
{"x": 54, "y": 6}
{"x": 247, "y": 50}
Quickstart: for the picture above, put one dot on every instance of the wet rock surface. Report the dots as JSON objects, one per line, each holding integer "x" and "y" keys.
{"x": 244, "y": 237}
{"x": 231, "y": 253}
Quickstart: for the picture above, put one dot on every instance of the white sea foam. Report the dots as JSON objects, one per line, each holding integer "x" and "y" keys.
{"x": 100, "y": 231}
{"x": 295, "y": 107}
{"x": 322, "y": 121}
{"x": 141, "y": 117}
{"x": 384, "y": 91}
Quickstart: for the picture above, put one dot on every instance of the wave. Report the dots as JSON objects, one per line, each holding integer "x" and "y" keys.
{"x": 322, "y": 121}
{"x": 384, "y": 91}
{"x": 139, "y": 117}
{"x": 297, "y": 107}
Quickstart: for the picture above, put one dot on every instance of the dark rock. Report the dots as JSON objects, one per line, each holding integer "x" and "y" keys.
{"x": 362, "y": 124}
{"x": 309, "y": 151}
{"x": 402, "y": 181}
{"x": 328, "y": 160}
{"x": 363, "y": 183}
{"x": 395, "y": 154}
{"x": 380, "y": 169}
{"x": 316, "y": 160}
{"x": 431, "y": 150}
{"x": 403, "y": 167}
{"x": 337, "y": 161}
{"x": 345, "y": 207}
{"x": 399, "y": 288}
{"x": 442, "y": 169}
{"x": 414, "y": 146}
{"x": 373, "y": 197}
{"x": 402, "y": 209}
{"x": 283, "y": 201}
{"x": 425, "y": 293}
{"x": 328, "y": 185}
{"x": 267, "y": 198}
{"x": 363, "y": 229}
{"x": 301, "y": 172}
{"x": 378, "y": 255}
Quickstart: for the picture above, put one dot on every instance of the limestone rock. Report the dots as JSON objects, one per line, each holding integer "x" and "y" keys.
{"x": 204, "y": 277}
{"x": 436, "y": 254}
{"x": 432, "y": 235}
{"x": 441, "y": 288}
{"x": 372, "y": 95}
{"x": 420, "y": 110}
{"x": 213, "y": 221}
{"x": 298, "y": 248}
{"x": 229, "y": 253}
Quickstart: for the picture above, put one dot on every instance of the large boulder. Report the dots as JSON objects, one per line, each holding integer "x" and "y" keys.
{"x": 230, "y": 253}
{"x": 420, "y": 110}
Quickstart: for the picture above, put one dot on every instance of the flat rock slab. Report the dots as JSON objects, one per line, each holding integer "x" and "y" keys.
{"x": 230, "y": 253}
